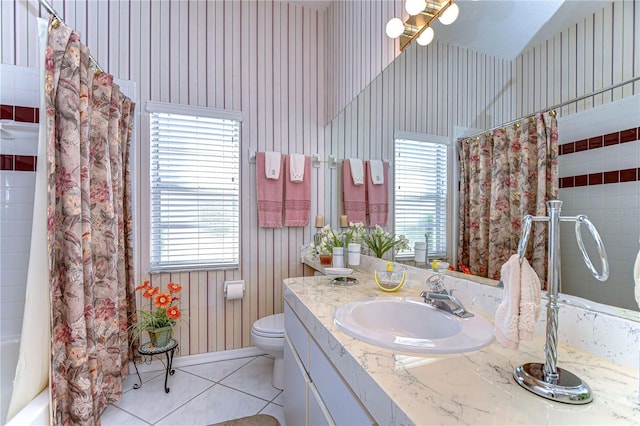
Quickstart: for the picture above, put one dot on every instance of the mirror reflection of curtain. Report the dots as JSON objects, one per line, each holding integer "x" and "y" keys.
{"x": 89, "y": 124}
{"x": 506, "y": 174}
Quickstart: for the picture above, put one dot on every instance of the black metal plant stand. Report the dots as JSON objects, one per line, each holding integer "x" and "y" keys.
{"x": 148, "y": 351}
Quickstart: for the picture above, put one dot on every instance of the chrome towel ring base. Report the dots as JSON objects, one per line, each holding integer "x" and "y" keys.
{"x": 567, "y": 388}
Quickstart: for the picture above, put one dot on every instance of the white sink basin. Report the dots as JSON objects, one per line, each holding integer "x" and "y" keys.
{"x": 408, "y": 324}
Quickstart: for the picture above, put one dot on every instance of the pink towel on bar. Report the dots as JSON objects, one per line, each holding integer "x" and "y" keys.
{"x": 378, "y": 197}
{"x": 297, "y": 195}
{"x": 353, "y": 197}
{"x": 269, "y": 195}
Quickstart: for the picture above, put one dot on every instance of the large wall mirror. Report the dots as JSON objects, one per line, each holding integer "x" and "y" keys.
{"x": 454, "y": 84}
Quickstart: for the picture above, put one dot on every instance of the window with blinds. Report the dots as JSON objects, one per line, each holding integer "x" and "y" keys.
{"x": 195, "y": 189}
{"x": 421, "y": 194}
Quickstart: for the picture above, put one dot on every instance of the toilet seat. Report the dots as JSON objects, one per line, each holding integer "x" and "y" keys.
{"x": 271, "y": 326}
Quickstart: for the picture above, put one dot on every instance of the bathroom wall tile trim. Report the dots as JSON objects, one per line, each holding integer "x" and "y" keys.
{"x": 597, "y": 142}
{"x": 20, "y": 163}
{"x": 601, "y": 178}
{"x": 629, "y": 135}
{"x": 21, "y": 114}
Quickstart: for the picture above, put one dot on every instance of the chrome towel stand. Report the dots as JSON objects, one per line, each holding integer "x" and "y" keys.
{"x": 547, "y": 380}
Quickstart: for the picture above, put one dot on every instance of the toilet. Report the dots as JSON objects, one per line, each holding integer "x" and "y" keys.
{"x": 267, "y": 334}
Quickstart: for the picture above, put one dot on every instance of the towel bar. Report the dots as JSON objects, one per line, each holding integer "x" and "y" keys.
{"x": 547, "y": 380}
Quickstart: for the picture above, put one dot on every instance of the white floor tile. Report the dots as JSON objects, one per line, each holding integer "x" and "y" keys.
{"x": 245, "y": 389}
{"x": 151, "y": 403}
{"x": 113, "y": 416}
{"x": 132, "y": 379}
{"x": 216, "y": 404}
{"x": 275, "y": 411}
{"x": 279, "y": 399}
{"x": 254, "y": 378}
{"x": 217, "y": 371}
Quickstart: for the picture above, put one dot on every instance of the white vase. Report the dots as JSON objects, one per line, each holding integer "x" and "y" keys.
{"x": 338, "y": 257}
{"x": 353, "y": 251}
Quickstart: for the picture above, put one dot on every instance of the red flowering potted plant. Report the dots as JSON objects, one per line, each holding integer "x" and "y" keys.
{"x": 158, "y": 322}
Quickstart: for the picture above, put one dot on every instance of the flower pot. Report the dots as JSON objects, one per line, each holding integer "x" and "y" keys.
{"x": 160, "y": 336}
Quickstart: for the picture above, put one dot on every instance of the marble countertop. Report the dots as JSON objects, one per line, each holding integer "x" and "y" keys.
{"x": 469, "y": 388}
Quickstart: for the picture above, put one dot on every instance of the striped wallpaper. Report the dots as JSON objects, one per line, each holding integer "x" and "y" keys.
{"x": 264, "y": 58}
{"x": 291, "y": 69}
{"x": 436, "y": 88}
{"x": 599, "y": 51}
{"x": 425, "y": 90}
{"x": 358, "y": 48}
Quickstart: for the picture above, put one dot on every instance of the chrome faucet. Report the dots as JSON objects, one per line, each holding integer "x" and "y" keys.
{"x": 440, "y": 298}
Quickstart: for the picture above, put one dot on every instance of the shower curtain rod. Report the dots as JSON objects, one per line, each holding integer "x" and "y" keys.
{"x": 579, "y": 98}
{"x": 50, "y": 9}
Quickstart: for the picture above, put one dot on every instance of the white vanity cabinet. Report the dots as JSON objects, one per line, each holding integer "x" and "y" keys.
{"x": 314, "y": 392}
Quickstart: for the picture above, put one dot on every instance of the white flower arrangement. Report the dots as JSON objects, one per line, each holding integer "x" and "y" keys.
{"x": 329, "y": 238}
{"x": 380, "y": 241}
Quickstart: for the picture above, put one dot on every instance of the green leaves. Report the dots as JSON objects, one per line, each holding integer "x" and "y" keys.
{"x": 380, "y": 241}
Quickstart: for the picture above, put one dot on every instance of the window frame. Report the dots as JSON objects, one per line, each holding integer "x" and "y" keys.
{"x": 449, "y": 195}
{"x": 192, "y": 111}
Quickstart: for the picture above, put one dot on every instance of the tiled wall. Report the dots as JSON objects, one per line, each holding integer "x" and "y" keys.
{"x": 599, "y": 170}
{"x": 19, "y": 100}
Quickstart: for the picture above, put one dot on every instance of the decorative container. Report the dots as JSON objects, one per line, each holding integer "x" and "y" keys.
{"x": 326, "y": 259}
{"x": 160, "y": 336}
{"x": 389, "y": 280}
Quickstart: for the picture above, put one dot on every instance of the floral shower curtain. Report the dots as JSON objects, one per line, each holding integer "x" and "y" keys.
{"x": 89, "y": 125}
{"x": 505, "y": 175}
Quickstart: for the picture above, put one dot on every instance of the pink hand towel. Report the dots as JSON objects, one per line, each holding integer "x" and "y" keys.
{"x": 378, "y": 197}
{"x": 297, "y": 195}
{"x": 353, "y": 196}
{"x": 518, "y": 312}
{"x": 269, "y": 195}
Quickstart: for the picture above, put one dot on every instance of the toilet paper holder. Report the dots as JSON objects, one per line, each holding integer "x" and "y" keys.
{"x": 233, "y": 283}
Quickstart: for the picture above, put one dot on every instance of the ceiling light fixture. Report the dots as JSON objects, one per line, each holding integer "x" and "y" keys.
{"x": 418, "y": 25}
{"x": 413, "y": 7}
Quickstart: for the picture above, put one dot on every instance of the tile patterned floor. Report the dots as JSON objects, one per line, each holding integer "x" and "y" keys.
{"x": 200, "y": 395}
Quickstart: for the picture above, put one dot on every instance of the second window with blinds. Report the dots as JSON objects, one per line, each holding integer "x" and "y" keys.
{"x": 421, "y": 181}
{"x": 195, "y": 188}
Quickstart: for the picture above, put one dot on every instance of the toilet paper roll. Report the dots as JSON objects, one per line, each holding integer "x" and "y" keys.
{"x": 234, "y": 289}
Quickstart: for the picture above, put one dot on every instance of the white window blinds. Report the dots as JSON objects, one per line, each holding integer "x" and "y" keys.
{"x": 195, "y": 191}
{"x": 421, "y": 193}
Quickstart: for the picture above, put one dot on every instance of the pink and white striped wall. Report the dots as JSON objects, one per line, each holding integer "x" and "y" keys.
{"x": 264, "y": 58}
{"x": 290, "y": 71}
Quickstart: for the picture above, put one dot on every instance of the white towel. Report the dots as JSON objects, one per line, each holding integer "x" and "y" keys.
{"x": 296, "y": 167}
{"x": 272, "y": 165}
{"x": 377, "y": 172}
{"x": 357, "y": 171}
{"x": 636, "y": 277}
{"x": 518, "y": 312}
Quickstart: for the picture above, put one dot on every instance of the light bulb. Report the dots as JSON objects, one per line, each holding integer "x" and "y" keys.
{"x": 449, "y": 15}
{"x": 395, "y": 27}
{"x": 426, "y": 37}
{"x": 413, "y": 7}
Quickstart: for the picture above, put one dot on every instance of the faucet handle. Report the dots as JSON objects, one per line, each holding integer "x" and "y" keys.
{"x": 436, "y": 284}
